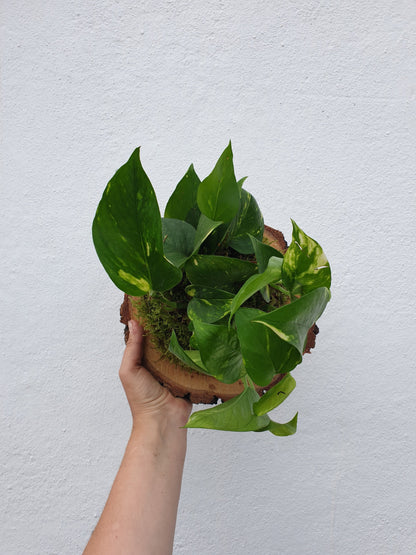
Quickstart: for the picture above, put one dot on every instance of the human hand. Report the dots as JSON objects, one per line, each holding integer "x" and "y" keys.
{"x": 149, "y": 401}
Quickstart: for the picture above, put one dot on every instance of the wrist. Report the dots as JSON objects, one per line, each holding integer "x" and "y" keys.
{"x": 164, "y": 419}
{"x": 159, "y": 428}
{"x": 160, "y": 439}
{"x": 156, "y": 426}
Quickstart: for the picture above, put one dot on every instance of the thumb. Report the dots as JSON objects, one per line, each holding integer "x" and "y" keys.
{"x": 133, "y": 352}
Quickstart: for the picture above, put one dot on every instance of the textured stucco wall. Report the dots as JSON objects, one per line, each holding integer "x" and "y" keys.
{"x": 319, "y": 101}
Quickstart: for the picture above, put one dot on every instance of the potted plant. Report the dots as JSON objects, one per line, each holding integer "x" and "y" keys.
{"x": 229, "y": 308}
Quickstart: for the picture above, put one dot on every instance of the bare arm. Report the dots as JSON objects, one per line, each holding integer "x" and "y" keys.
{"x": 140, "y": 514}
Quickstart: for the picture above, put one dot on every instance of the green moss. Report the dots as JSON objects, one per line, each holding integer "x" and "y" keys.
{"x": 164, "y": 312}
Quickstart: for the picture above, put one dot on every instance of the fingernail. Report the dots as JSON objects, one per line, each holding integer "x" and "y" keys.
{"x": 131, "y": 326}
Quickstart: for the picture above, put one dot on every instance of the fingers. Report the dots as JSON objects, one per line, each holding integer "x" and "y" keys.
{"x": 133, "y": 352}
{"x": 144, "y": 393}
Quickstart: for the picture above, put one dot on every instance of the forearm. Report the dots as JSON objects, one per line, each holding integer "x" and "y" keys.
{"x": 140, "y": 514}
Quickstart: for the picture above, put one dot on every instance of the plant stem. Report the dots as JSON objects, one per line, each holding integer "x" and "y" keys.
{"x": 248, "y": 382}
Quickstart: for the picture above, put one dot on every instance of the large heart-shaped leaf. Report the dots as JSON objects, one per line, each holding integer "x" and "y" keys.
{"x": 291, "y": 322}
{"x": 182, "y": 204}
{"x": 265, "y": 354}
{"x": 178, "y": 240}
{"x": 220, "y": 350}
{"x": 221, "y": 272}
{"x": 305, "y": 266}
{"x": 272, "y": 274}
{"x": 218, "y": 194}
{"x": 235, "y": 415}
{"x": 127, "y": 233}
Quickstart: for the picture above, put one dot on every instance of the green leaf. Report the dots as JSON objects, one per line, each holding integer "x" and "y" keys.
{"x": 287, "y": 429}
{"x": 208, "y": 310}
{"x": 201, "y": 292}
{"x": 127, "y": 233}
{"x": 248, "y": 221}
{"x": 235, "y": 415}
{"x": 181, "y": 241}
{"x": 291, "y": 322}
{"x": 178, "y": 240}
{"x": 189, "y": 358}
{"x": 221, "y": 272}
{"x": 182, "y": 205}
{"x": 235, "y": 234}
{"x": 275, "y": 396}
{"x": 204, "y": 229}
{"x": 272, "y": 274}
{"x": 305, "y": 266}
{"x": 220, "y": 350}
{"x": 218, "y": 195}
{"x": 265, "y": 354}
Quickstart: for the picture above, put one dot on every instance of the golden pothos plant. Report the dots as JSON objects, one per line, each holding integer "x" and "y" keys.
{"x": 246, "y": 307}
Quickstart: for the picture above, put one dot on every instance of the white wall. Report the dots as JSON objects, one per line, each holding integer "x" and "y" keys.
{"x": 319, "y": 101}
